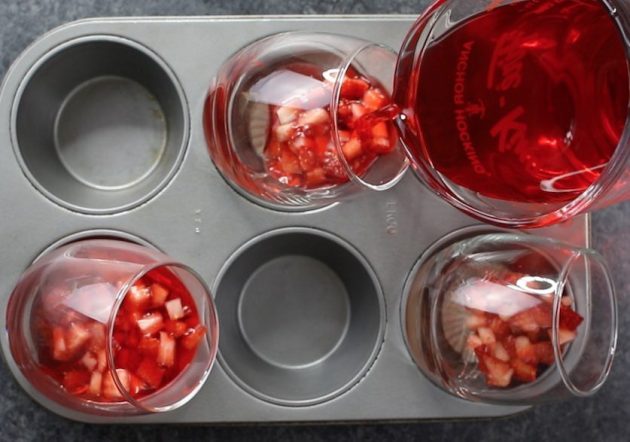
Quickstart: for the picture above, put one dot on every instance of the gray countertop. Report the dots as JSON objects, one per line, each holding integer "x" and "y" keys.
{"x": 605, "y": 417}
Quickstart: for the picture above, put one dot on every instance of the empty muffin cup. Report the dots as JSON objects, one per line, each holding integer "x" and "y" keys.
{"x": 100, "y": 124}
{"x": 302, "y": 316}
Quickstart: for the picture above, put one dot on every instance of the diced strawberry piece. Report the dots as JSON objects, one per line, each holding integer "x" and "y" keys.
{"x": 60, "y": 351}
{"x": 315, "y": 116}
{"x": 381, "y": 145}
{"x": 76, "y": 336}
{"x": 307, "y": 159}
{"x": 289, "y": 162}
{"x": 379, "y": 130}
{"x": 137, "y": 298}
{"x": 569, "y": 320}
{"x": 358, "y": 110}
{"x": 565, "y": 336}
{"x": 174, "y": 309}
{"x": 510, "y": 346}
{"x": 166, "y": 352}
{"x": 151, "y": 323}
{"x": 352, "y": 149}
{"x": 486, "y": 335}
{"x": 284, "y": 132}
{"x": 133, "y": 339}
{"x": 544, "y": 352}
{"x": 273, "y": 149}
{"x": 175, "y": 328}
{"x": 525, "y": 350}
{"x": 522, "y": 371}
{"x": 149, "y": 346}
{"x": 315, "y": 177}
{"x": 353, "y": 88}
{"x": 191, "y": 340}
{"x": 286, "y": 114}
{"x": 159, "y": 294}
{"x": 374, "y": 99}
{"x": 344, "y": 136}
{"x": 109, "y": 388}
{"x": 127, "y": 358}
{"x": 97, "y": 336}
{"x": 473, "y": 341}
{"x": 525, "y": 321}
{"x": 76, "y": 381}
{"x": 101, "y": 356}
{"x": 96, "y": 380}
{"x": 498, "y": 373}
{"x": 90, "y": 361}
{"x": 150, "y": 372}
{"x": 499, "y": 327}
{"x": 476, "y": 320}
{"x": 499, "y": 352}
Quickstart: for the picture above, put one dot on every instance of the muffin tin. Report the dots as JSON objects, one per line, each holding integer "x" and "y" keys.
{"x": 101, "y": 135}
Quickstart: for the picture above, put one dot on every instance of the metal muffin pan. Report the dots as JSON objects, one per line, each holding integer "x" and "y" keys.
{"x": 101, "y": 135}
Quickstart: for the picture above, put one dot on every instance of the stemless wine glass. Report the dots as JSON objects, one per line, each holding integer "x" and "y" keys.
{"x": 515, "y": 111}
{"x": 511, "y": 318}
{"x": 110, "y": 327}
{"x": 282, "y": 120}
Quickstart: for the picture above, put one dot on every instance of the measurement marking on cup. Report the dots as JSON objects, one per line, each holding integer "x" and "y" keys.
{"x": 391, "y": 217}
{"x": 198, "y": 221}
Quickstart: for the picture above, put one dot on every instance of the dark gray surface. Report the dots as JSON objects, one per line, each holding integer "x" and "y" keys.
{"x": 602, "y": 418}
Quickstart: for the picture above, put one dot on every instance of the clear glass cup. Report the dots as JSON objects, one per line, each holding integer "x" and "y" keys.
{"x": 282, "y": 120}
{"x": 511, "y": 318}
{"x": 515, "y": 111}
{"x": 109, "y": 327}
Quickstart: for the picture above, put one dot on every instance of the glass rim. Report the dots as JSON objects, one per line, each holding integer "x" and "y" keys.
{"x": 211, "y": 338}
{"x": 334, "y": 108}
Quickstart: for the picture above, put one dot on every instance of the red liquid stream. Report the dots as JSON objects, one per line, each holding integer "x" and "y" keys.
{"x": 525, "y": 102}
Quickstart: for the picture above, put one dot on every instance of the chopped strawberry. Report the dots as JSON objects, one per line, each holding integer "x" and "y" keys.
{"x": 499, "y": 327}
{"x": 497, "y": 372}
{"x": 473, "y": 341}
{"x": 101, "y": 356}
{"x": 289, "y": 162}
{"x": 60, "y": 351}
{"x": 315, "y": 116}
{"x": 358, "y": 110}
{"x": 96, "y": 380}
{"x": 525, "y": 350}
{"x": 284, "y": 132}
{"x": 544, "y": 352}
{"x": 174, "y": 309}
{"x": 90, "y": 361}
{"x": 97, "y": 336}
{"x": 175, "y": 328}
{"x": 486, "y": 335}
{"x": 149, "y": 346}
{"x": 286, "y": 114}
{"x": 354, "y": 88}
{"x": 352, "y": 149}
{"x": 127, "y": 358}
{"x": 159, "y": 294}
{"x": 191, "y": 340}
{"x": 374, "y": 99}
{"x": 109, "y": 388}
{"x": 150, "y": 372}
{"x": 137, "y": 298}
{"x": 499, "y": 352}
{"x": 569, "y": 320}
{"x": 150, "y": 323}
{"x": 76, "y": 381}
{"x": 522, "y": 371}
{"x": 166, "y": 352}
{"x": 315, "y": 177}
{"x": 476, "y": 320}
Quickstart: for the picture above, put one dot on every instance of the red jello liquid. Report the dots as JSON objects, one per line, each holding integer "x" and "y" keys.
{"x": 525, "y": 102}
{"x": 155, "y": 337}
